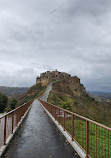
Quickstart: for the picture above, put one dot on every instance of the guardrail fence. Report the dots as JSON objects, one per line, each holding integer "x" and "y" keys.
{"x": 93, "y": 138}
{"x": 9, "y": 121}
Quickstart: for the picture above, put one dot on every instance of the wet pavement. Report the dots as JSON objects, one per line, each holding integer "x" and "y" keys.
{"x": 39, "y": 138}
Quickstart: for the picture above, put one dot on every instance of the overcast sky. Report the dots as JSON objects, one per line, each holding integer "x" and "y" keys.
{"x": 73, "y": 36}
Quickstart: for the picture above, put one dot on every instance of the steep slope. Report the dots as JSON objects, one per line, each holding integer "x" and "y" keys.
{"x": 32, "y": 93}
{"x": 72, "y": 96}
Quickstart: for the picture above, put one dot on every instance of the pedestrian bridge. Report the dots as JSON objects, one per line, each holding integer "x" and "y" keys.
{"x": 38, "y": 129}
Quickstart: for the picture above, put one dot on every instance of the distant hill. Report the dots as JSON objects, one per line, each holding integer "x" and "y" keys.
{"x": 13, "y": 91}
{"x": 101, "y": 96}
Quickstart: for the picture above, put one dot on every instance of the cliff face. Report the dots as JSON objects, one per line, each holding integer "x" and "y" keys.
{"x": 72, "y": 82}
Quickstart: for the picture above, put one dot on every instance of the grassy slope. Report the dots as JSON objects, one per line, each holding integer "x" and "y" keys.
{"x": 83, "y": 105}
{"x": 88, "y": 107}
{"x": 32, "y": 93}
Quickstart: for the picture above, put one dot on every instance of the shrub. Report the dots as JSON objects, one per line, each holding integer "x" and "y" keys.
{"x": 13, "y": 103}
{"x": 3, "y": 102}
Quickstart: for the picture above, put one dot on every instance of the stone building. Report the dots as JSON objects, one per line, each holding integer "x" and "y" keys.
{"x": 51, "y": 76}
{"x": 72, "y": 81}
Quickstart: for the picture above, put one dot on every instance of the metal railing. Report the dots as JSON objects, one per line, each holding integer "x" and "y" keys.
{"x": 93, "y": 138}
{"x": 9, "y": 121}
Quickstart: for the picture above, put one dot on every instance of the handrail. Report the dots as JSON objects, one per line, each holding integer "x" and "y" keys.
{"x": 82, "y": 117}
{"x": 10, "y": 120}
{"x": 12, "y": 110}
{"x": 94, "y": 138}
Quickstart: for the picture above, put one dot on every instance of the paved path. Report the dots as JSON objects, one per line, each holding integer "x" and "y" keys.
{"x": 39, "y": 138}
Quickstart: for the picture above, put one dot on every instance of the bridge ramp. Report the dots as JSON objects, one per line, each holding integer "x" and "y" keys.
{"x": 39, "y": 138}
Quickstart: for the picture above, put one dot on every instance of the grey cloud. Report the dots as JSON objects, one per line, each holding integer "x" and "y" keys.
{"x": 75, "y": 39}
{"x": 88, "y": 7}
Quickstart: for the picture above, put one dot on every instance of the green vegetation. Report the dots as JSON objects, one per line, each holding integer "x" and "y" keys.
{"x": 98, "y": 137}
{"x": 80, "y": 103}
{"x": 13, "y": 103}
{"x": 64, "y": 101}
{"x": 8, "y": 104}
{"x": 3, "y": 102}
{"x": 32, "y": 93}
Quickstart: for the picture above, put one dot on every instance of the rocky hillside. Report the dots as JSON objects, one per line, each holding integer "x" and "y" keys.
{"x": 70, "y": 94}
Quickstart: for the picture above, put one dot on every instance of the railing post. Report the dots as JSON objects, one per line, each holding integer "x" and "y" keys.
{"x": 108, "y": 144}
{"x": 87, "y": 139}
{"x": 59, "y": 117}
{"x": 5, "y": 124}
{"x": 17, "y": 118}
{"x": 51, "y": 110}
{"x": 64, "y": 120}
{"x": 72, "y": 127}
{"x": 55, "y": 113}
{"x": 12, "y": 121}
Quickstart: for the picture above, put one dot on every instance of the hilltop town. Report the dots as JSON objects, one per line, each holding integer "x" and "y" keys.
{"x": 72, "y": 81}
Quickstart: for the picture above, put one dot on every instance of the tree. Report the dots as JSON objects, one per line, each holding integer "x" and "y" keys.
{"x": 13, "y": 103}
{"x": 3, "y": 102}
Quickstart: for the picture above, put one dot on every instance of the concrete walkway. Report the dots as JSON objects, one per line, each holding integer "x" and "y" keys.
{"x": 39, "y": 138}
